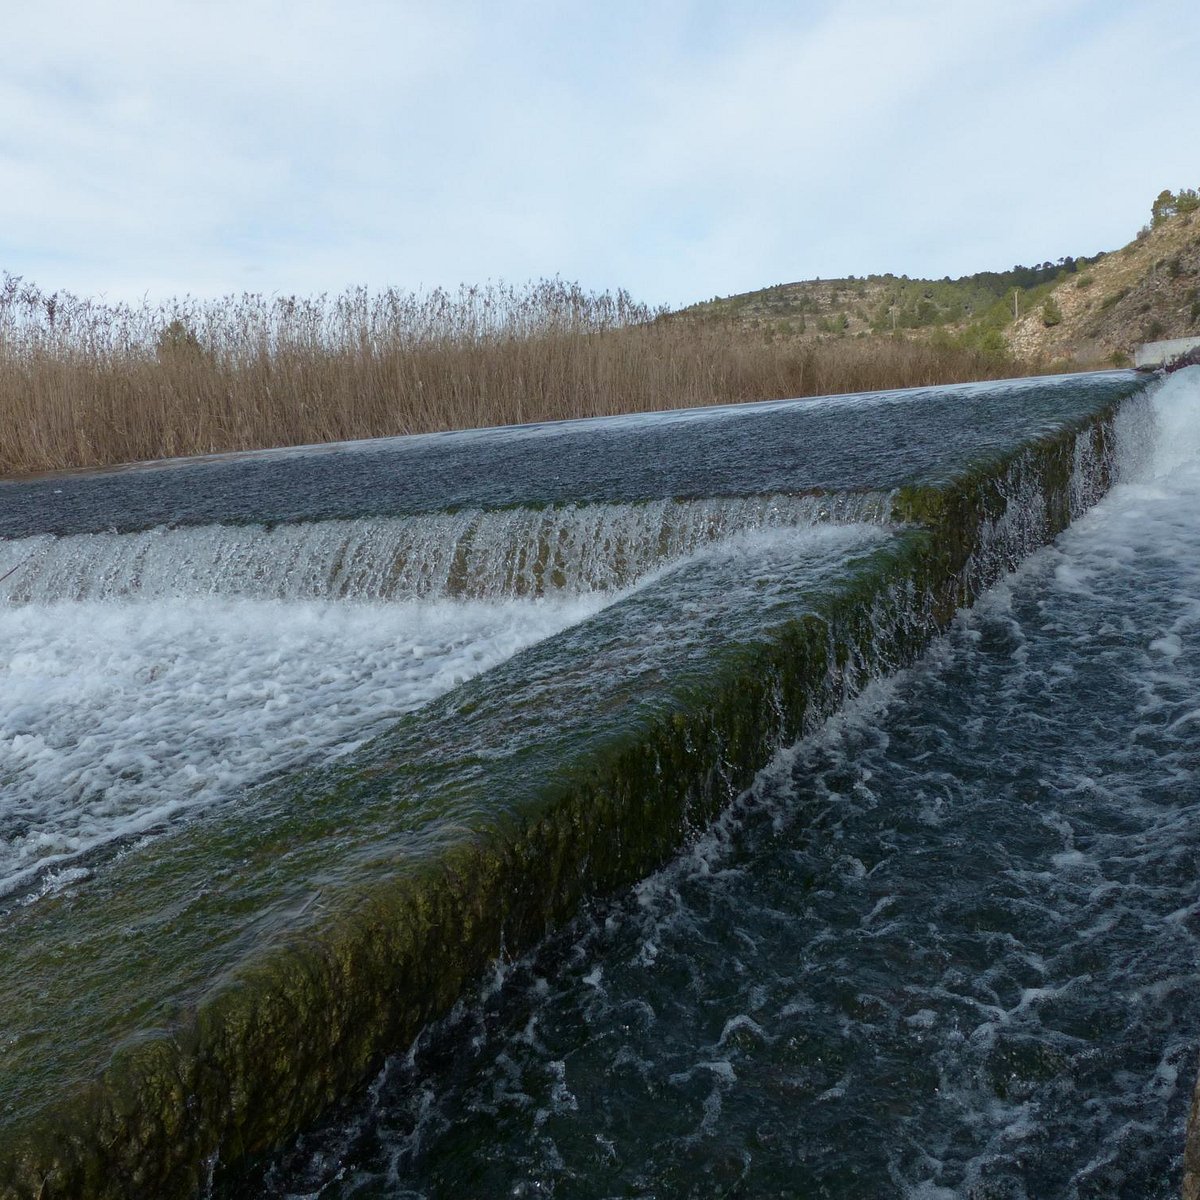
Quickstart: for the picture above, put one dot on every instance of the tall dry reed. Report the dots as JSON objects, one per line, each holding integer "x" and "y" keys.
{"x": 84, "y": 383}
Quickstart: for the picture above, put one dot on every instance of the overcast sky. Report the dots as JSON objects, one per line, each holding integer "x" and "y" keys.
{"x": 678, "y": 148}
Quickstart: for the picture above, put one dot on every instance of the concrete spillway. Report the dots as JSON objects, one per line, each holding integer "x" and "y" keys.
{"x": 210, "y": 981}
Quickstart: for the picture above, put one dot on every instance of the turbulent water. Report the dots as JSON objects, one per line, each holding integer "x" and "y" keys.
{"x": 946, "y": 947}
{"x": 552, "y": 552}
{"x": 144, "y": 676}
{"x": 117, "y": 719}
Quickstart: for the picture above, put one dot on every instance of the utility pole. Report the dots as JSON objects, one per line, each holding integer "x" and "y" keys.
{"x": 1016, "y": 304}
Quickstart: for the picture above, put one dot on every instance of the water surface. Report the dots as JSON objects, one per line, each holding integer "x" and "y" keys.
{"x": 876, "y": 440}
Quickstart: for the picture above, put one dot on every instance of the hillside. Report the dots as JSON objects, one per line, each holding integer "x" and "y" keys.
{"x": 1076, "y": 312}
{"x": 873, "y": 304}
{"x": 1148, "y": 290}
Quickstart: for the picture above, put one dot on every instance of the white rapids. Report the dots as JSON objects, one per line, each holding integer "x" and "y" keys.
{"x": 146, "y": 675}
{"x": 117, "y": 718}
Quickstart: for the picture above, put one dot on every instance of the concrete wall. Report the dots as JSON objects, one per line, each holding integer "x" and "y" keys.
{"x": 1155, "y": 354}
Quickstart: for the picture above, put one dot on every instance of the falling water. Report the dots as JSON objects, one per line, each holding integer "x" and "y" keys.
{"x": 147, "y": 675}
{"x": 945, "y": 947}
{"x": 253, "y": 709}
{"x": 494, "y": 555}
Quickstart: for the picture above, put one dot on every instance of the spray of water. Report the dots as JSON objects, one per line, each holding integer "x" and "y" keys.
{"x": 143, "y": 676}
{"x": 1171, "y": 440}
{"x": 508, "y": 554}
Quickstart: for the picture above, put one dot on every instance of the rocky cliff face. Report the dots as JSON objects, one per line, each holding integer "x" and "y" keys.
{"x": 1146, "y": 291}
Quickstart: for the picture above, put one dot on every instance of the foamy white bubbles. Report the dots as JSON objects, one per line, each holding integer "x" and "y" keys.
{"x": 116, "y": 718}
{"x": 146, "y": 674}
{"x": 1177, "y": 423}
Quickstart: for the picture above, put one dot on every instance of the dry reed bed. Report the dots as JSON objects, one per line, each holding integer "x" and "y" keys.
{"x": 84, "y": 383}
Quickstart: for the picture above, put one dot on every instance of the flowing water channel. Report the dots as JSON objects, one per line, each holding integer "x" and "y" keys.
{"x": 947, "y": 946}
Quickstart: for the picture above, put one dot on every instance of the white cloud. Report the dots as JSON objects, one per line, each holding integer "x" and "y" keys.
{"x": 682, "y": 149}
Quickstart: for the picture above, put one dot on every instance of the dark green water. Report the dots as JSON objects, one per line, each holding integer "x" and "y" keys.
{"x": 946, "y": 947}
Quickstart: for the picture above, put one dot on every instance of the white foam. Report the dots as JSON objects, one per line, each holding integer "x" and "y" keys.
{"x": 493, "y": 555}
{"x": 123, "y": 710}
{"x": 1176, "y": 442}
{"x": 115, "y": 718}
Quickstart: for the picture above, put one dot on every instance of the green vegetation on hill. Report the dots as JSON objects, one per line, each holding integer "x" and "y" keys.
{"x": 1074, "y": 312}
{"x": 889, "y": 303}
{"x": 1168, "y": 205}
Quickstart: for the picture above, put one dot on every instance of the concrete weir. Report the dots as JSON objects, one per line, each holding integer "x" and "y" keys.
{"x": 204, "y": 994}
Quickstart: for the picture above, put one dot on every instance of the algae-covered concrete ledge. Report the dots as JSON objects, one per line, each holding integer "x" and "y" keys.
{"x": 323, "y": 927}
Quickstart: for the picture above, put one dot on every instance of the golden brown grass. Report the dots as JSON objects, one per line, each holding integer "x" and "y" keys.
{"x": 83, "y": 383}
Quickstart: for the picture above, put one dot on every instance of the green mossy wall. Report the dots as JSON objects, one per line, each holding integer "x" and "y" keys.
{"x": 312, "y": 1015}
